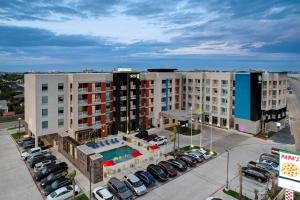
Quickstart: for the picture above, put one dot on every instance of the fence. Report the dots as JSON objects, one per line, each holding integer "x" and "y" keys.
{"x": 11, "y": 118}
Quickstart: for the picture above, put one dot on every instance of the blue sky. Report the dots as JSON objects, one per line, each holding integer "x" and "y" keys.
{"x": 72, "y": 35}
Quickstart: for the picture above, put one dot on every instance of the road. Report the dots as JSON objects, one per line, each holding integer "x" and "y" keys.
{"x": 293, "y": 102}
{"x": 16, "y": 182}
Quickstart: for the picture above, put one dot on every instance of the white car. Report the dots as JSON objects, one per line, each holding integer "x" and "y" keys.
{"x": 159, "y": 140}
{"x": 41, "y": 165}
{"x": 203, "y": 153}
{"x": 32, "y": 152}
{"x": 274, "y": 166}
{"x": 63, "y": 193}
{"x": 213, "y": 198}
{"x": 101, "y": 193}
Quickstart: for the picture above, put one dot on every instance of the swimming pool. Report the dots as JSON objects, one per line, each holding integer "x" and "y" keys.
{"x": 123, "y": 153}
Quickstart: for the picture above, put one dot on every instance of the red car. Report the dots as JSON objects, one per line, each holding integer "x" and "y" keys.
{"x": 168, "y": 169}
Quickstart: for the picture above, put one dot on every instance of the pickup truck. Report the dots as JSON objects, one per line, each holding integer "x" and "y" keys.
{"x": 33, "y": 152}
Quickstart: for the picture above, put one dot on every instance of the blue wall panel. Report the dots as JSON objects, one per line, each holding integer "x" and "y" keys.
{"x": 167, "y": 93}
{"x": 243, "y": 96}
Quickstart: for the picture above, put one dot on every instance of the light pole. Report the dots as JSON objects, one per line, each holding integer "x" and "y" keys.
{"x": 191, "y": 126}
{"x": 210, "y": 136}
{"x": 227, "y": 169}
{"x": 90, "y": 180}
{"x": 19, "y": 127}
{"x": 201, "y": 133}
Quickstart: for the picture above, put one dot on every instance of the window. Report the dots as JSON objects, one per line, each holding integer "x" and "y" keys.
{"x": 44, "y": 124}
{"x": 60, "y": 87}
{"x": 60, "y": 122}
{"x": 60, "y": 99}
{"x": 45, "y": 112}
{"x": 44, "y": 99}
{"x": 60, "y": 110}
{"x": 44, "y": 87}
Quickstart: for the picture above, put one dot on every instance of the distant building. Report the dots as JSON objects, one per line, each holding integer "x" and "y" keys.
{"x": 3, "y": 106}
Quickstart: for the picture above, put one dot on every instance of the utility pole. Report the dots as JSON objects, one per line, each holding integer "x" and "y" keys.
{"x": 227, "y": 169}
{"x": 191, "y": 126}
{"x": 241, "y": 182}
{"x": 19, "y": 127}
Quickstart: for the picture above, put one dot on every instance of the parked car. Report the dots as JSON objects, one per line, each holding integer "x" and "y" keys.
{"x": 252, "y": 173}
{"x": 63, "y": 193}
{"x": 31, "y": 144}
{"x": 61, "y": 182}
{"x": 150, "y": 137}
{"x": 263, "y": 166}
{"x": 272, "y": 164}
{"x": 42, "y": 164}
{"x": 178, "y": 164}
{"x": 213, "y": 198}
{"x": 119, "y": 189}
{"x": 198, "y": 156}
{"x": 52, "y": 177}
{"x": 168, "y": 168}
{"x": 135, "y": 184}
{"x": 32, "y": 152}
{"x": 202, "y": 152}
{"x": 188, "y": 160}
{"x": 157, "y": 172}
{"x": 159, "y": 140}
{"x": 23, "y": 140}
{"x": 270, "y": 157}
{"x": 101, "y": 193}
{"x": 142, "y": 134}
{"x": 40, "y": 158}
{"x": 50, "y": 169}
{"x": 39, "y": 154}
{"x": 146, "y": 178}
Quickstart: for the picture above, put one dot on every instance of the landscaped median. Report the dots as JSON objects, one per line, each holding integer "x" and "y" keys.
{"x": 82, "y": 197}
{"x": 234, "y": 194}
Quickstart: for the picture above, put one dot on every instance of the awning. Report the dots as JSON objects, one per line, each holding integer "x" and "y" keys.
{"x": 136, "y": 154}
{"x": 108, "y": 163}
{"x": 153, "y": 147}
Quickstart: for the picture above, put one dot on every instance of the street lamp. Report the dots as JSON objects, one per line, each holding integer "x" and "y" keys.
{"x": 226, "y": 188}
{"x": 200, "y": 120}
{"x": 192, "y": 127}
{"x": 19, "y": 127}
{"x": 210, "y": 137}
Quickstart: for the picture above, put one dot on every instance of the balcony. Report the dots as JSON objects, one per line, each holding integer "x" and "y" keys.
{"x": 223, "y": 94}
{"x": 83, "y": 102}
{"x": 223, "y": 113}
{"x": 97, "y": 89}
{"x": 82, "y": 114}
{"x": 274, "y": 96}
{"x": 97, "y": 124}
{"x": 123, "y": 108}
{"x": 97, "y": 113}
{"x": 132, "y": 96}
{"x": 96, "y": 101}
{"x": 123, "y": 98}
{"x": 215, "y": 102}
{"x": 133, "y": 87}
{"x": 123, "y": 119}
{"x": 82, "y": 90}
{"x": 224, "y": 85}
{"x": 273, "y": 106}
{"x": 83, "y": 126}
{"x": 123, "y": 87}
{"x": 214, "y": 112}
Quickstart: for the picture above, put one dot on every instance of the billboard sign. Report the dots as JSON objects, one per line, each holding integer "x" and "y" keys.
{"x": 289, "y": 170}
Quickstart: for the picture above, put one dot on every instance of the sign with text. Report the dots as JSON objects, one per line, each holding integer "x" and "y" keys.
{"x": 289, "y": 170}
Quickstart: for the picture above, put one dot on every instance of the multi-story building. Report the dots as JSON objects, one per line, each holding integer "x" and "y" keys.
{"x": 105, "y": 103}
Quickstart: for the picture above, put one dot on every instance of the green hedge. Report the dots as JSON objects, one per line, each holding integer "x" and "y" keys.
{"x": 82, "y": 197}
{"x": 16, "y": 135}
{"x": 234, "y": 194}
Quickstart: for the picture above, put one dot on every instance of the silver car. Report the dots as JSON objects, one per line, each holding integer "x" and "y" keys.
{"x": 135, "y": 184}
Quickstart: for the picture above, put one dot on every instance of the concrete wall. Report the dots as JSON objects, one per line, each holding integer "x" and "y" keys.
{"x": 247, "y": 126}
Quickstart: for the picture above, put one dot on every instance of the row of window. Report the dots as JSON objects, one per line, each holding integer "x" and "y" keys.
{"x": 60, "y": 87}
{"x": 60, "y": 123}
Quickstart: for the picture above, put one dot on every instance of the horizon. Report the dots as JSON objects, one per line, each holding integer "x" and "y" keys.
{"x": 72, "y": 35}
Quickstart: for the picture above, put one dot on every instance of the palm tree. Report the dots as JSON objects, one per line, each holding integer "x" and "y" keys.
{"x": 71, "y": 175}
{"x": 256, "y": 194}
{"x": 173, "y": 137}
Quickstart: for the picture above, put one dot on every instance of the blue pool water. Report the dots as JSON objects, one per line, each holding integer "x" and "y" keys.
{"x": 121, "y": 152}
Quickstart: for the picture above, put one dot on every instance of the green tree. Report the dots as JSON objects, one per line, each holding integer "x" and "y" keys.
{"x": 256, "y": 194}
{"x": 71, "y": 175}
{"x": 173, "y": 137}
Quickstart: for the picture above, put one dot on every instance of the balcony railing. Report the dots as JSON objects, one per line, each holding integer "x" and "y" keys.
{"x": 83, "y": 126}
{"x": 82, "y": 90}
{"x": 97, "y": 89}
{"x": 96, "y": 100}
{"x": 85, "y": 101}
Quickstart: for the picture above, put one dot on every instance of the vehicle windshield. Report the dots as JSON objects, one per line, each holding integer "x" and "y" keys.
{"x": 50, "y": 177}
{"x": 159, "y": 171}
{"x": 122, "y": 189}
{"x": 54, "y": 184}
{"x": 44, "y": 170}
{"x": 168, "y": 167}
{"x": 53, "y": 194}
{"x": 137, "y": 184}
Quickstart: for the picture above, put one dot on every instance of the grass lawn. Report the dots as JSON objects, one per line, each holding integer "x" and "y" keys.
{"x": 194, "y": 132}
{"x": 16, "y": 135}
{"x": 82, "y": 197}
{"x": 234, "y": 194}
{"x": 266, "y": 135}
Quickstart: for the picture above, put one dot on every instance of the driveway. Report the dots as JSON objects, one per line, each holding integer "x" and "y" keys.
{"x": 16, "y": 182}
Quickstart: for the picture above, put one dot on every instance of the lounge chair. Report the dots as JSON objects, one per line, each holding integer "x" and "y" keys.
{"x": 112, "y": 141}
{"x": 106, "y": 142}
{"x": 116, "y": 140}
{"x": 101, "y": 144}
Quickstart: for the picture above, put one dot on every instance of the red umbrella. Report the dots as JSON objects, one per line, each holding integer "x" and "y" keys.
{"x": 136, "y": 154}
{"x": 153, "y": 147}
{"x": 108, "y": 163}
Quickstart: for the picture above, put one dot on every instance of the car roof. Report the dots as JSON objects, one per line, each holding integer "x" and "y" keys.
{"x": 115, "y": 181}
{"x": 132, "y": 177}
{"x": 102, "y": 190}
{"x": 62, "y": 189}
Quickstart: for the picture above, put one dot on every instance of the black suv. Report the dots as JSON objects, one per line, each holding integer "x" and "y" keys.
{"x": 40, "y": 158}
{"x": 61, "y": 182}
{"x": 157, "y": 172}
{"x": 52, "y": 177}
{"x": 255, "y": 174}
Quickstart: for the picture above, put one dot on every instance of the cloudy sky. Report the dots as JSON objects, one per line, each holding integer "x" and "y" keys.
{"x": 72, "y": 35}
